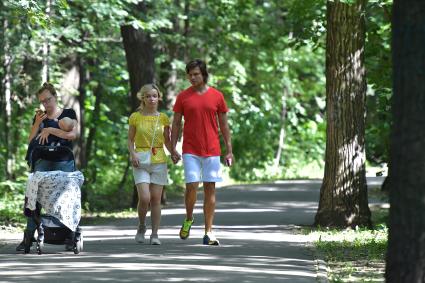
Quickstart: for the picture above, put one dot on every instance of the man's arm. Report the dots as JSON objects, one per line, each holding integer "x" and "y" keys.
{"x": 167, "y": 139}
{"x": 175, "y": 132}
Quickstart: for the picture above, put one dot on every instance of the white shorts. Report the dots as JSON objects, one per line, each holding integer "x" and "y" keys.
{"x": 152, "y": 174}
{"x": 201, "y": 169}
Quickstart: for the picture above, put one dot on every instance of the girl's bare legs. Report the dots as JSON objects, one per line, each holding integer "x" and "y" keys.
{"x": 142, "y": 209}
{"x": 155, "y": 199}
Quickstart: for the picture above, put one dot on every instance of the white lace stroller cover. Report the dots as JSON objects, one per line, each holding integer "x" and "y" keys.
{"x": 59, "y": 194}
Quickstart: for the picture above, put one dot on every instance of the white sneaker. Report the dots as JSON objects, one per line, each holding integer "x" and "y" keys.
{"x": 140, "y": 236}
{"x": 155, "y": 240}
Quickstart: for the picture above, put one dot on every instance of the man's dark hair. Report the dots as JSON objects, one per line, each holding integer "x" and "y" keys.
{"x": 202, "y": 66}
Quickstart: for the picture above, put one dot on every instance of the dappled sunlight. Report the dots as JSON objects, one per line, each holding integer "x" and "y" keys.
{"x": 266, "y": 233}
{"x": 88, "y": 267}
{"x": 254, "y": 225}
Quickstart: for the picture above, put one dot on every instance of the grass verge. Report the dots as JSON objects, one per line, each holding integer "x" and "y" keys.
{"x": 355, "y": 255}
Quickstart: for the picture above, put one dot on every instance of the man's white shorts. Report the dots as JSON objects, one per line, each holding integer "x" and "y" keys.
{"x": 201, "y": 169}
{"x": 152, "y": 174}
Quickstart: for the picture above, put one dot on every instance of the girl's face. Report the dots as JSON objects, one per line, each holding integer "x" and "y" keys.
{"x": 48, "y": 100}
{"x": 151, "y": 98}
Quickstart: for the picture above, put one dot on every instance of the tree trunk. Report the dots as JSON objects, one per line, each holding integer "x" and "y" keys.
{"x": 186, "y": 28}
{"x": 343, "y": 195}
{"x": 282, "y": 133}
{"x": 45, "y": 75}
{"x": 406, "y": 241}
{"x": 140, "y": 58}
{"x": 94, "y": 121}
{"x": 7, "y": 87}
{"x": 81, "y": 144}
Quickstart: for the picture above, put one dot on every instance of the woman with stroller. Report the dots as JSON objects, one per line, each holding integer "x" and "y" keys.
{"x": 46, "y": 124}
{"x": 149, "y": 131}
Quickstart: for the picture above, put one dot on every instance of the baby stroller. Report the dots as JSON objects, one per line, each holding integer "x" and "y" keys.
{"x": 54, "y": 190}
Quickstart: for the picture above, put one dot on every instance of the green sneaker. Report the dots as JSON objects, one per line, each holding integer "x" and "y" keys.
{"x": 185, "y": 230}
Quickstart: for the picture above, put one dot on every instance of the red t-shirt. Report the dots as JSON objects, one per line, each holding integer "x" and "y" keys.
{"x": 200, "y": 132}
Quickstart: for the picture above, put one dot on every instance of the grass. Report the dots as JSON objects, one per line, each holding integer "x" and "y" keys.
{"x": 355, "y": 255}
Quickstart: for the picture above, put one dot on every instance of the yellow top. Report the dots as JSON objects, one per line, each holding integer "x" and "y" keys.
{"x": 144, "y": 131}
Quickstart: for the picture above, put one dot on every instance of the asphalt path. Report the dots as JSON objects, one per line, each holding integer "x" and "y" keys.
{"x": 257, "y": 225}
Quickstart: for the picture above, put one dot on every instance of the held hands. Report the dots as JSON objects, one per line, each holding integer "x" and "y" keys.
{"x": 175, "y": 156}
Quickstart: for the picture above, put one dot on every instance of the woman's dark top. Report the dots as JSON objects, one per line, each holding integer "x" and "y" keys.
{"x": 52, "y": 139}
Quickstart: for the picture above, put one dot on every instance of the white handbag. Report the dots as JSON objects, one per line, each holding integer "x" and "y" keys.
{"x": 145, "y": 156}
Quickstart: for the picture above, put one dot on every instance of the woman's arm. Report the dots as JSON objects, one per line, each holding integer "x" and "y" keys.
{"x": 36, "y": 126}
{"x": 130, "y": 144}
{"x": 167, "y": 140}
{"x": 72, "y": 135}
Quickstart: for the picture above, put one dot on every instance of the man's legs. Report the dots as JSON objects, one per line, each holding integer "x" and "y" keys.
{"x": 209, "y": 210}
{"x": 209, "y": 205}
{"x": 189, "y": 201}
{"x": 190, "y": 198}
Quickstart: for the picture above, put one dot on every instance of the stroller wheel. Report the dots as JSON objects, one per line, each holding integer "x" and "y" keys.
{"x": 78, "y": 244}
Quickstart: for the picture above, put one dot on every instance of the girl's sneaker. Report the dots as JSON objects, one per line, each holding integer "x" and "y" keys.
{"x": 140, "y": 236}
{"x": 155, "y": 240}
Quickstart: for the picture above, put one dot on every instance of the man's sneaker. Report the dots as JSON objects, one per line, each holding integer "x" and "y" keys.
{"x": 140, "y": 236}
{"x": 185, "y": 230}
{"x": 210, "y": 239}
{"x": 155, "y": 240}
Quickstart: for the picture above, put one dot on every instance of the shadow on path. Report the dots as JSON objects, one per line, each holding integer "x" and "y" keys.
{"x": 253, "y": 222}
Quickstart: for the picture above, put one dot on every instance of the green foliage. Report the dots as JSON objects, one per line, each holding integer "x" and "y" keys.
{"x": 379, "y": 76}
{"x": 267, "y": 57}
{"x": 11, "y": 202}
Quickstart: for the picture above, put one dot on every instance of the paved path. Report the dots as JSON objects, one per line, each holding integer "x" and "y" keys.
{"x": 255, "y": 224}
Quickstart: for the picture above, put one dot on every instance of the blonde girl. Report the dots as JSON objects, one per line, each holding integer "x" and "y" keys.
{"x": 149, "y": 179}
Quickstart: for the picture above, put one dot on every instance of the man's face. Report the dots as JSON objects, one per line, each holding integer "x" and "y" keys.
{"x": 195, "y": 77}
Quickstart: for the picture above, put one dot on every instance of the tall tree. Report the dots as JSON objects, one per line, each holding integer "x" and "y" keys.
{"x": 7, "y": 89}
{"x": 139, "y": 53}
{"x": 343, "y": 195}
{"x": 406, "y": 241}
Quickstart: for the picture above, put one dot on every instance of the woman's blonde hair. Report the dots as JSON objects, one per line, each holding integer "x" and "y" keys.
{"x": 145, "y": 89}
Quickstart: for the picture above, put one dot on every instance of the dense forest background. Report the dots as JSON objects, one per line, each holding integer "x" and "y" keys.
{"x": 267, "y": 57}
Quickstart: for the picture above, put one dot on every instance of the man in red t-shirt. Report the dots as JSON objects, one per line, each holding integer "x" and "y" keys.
{"x": 204, "y": 110}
